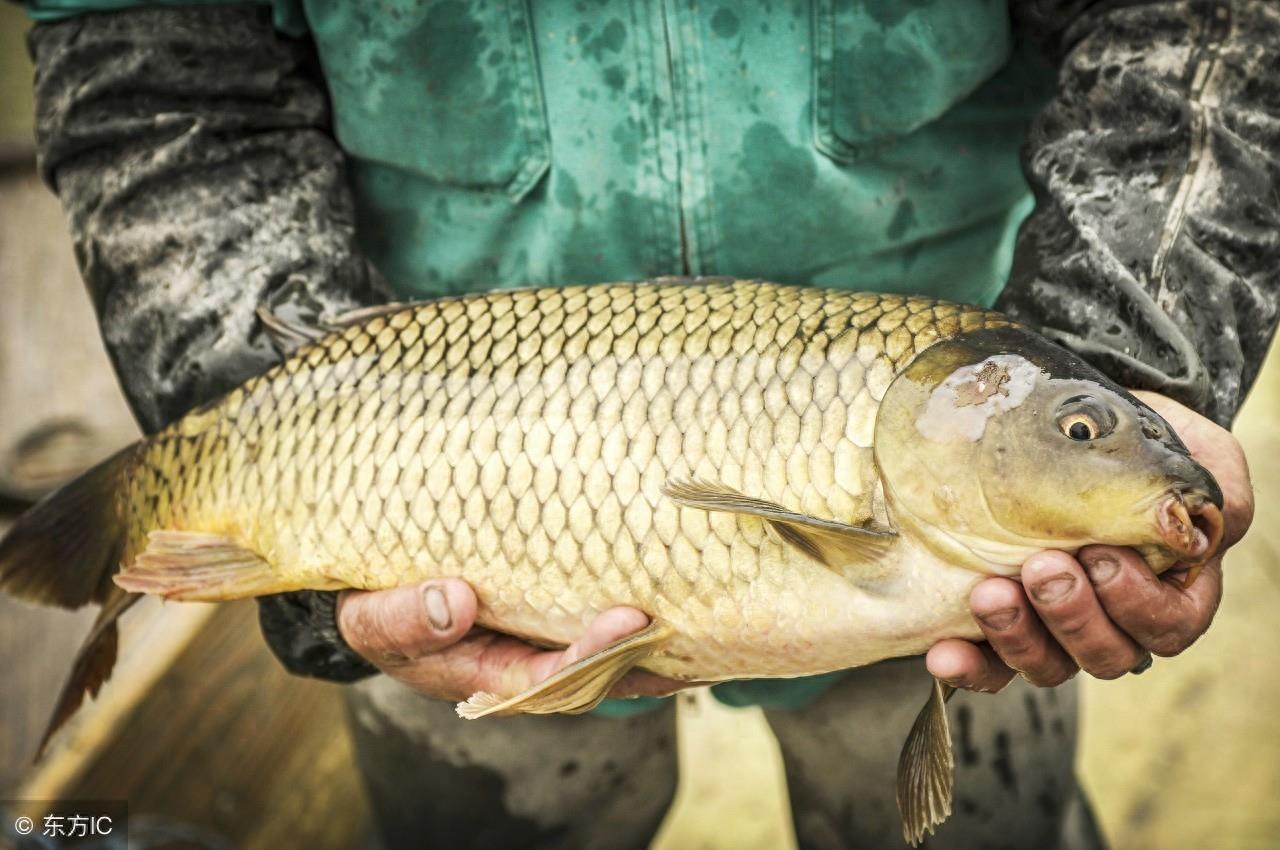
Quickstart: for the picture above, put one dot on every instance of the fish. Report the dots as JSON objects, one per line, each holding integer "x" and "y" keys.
{"x": 787, "y": 480}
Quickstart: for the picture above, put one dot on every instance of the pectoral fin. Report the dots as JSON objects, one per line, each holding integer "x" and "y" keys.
{"x": 830, "y": 542}
{"x": 926, "y": 769}
{"x": 577, "y": 688}
{"x": 198, "y": 567}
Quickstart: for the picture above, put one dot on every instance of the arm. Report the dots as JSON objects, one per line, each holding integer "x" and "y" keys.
{"x": 1152, "y": 253}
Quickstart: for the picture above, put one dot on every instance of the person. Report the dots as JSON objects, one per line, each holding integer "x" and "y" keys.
{"x": 318, "y": 156}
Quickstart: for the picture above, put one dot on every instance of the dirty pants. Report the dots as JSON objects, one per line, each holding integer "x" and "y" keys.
{"x": 601, "y": 783}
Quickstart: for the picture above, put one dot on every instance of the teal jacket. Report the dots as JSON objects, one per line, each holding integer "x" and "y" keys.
{"x": 853, "y": 144}
{"x": 867, "y": 145}
{"x": 843, "y": 144}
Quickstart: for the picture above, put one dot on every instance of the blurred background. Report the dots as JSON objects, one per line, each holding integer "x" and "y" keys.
{"x": 214, "y": 745}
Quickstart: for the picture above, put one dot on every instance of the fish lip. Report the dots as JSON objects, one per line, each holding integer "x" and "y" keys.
{"x": 1191, "y": 524}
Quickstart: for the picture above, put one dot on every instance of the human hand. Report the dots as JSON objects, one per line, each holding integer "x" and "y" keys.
{"x": 1103, "y": 611}
{"x": 424, "y": 635}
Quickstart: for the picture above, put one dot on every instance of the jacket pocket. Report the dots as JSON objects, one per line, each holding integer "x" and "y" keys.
{"x": 446, "y": 89}
{"x": 883, "y": 70}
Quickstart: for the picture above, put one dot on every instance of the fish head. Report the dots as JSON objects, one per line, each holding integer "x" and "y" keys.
{"x": 1002, "y": 443}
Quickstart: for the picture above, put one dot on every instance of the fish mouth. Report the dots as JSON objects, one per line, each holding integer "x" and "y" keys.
{"x": 1191, "y": 525}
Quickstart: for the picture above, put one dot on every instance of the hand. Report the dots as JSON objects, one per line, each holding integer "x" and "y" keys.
{"x": 1102, "y": 611}
{"x": 424, "y": 635}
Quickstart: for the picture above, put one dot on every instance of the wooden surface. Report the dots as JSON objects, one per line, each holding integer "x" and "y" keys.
{"x": 228, "y": 741}
{"x": 36, "y": 646}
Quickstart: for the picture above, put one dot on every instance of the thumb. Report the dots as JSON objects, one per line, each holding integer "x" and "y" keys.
{"x": 390, "y": 627}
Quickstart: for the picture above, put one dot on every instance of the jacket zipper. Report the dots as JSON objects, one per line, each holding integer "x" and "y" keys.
{"x": 685, "y": 266}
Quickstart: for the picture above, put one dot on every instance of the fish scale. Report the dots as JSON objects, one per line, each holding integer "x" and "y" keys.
{"x": 520, "y": 440}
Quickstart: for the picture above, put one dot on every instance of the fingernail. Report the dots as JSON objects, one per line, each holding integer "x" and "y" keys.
{"x": 437, "y": 608}
{"x": 1051, "y": 590}
{"x": 955, "y": 683}
{"x": 1102, "y": 569}
{"x": 1000, "y": 620}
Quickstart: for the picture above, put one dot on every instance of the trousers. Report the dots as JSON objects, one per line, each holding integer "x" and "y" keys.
{"x": 589, "y": 782}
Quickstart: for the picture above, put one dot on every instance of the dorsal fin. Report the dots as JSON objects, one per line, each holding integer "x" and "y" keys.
{"x": 288, "y": 335}
{"x": 362, "y": 314}
{"x": 827, "y": 541}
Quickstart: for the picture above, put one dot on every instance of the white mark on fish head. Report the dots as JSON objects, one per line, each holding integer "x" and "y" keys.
{"x": 959, "y": 408}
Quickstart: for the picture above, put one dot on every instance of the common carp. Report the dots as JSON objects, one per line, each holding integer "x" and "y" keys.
{"x": 787, "y": 480}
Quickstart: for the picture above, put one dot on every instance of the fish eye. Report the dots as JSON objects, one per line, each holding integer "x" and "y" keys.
{"x": 1084, "y": 418}
{"x": 1079, "y": 426}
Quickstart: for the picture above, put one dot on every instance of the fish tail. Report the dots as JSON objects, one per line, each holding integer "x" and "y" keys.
{"x": 64, "y": 552}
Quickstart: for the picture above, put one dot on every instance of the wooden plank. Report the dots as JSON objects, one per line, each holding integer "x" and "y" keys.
{"x": 152, "y": 637}
{"x": 226, "y": 740}
{"x": 36, "y": 646}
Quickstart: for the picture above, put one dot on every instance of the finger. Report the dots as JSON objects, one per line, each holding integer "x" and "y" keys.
{"x": 972, "y": 666}
{"x": 400, "y": 625}
{"x": 1016, "y": 634}
{"x": 1159, "y": 613}
{"x": 1069, "y": 608}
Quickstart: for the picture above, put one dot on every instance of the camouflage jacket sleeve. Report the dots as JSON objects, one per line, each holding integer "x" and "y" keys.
{"x": 1154, "y": 250}
{"x": 190, "y": 150}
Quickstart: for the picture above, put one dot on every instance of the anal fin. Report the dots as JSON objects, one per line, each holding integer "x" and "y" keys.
{"x": 196, "y": 567}
{"x": 927, "y": 768}
{"x": 577, "y": 688}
